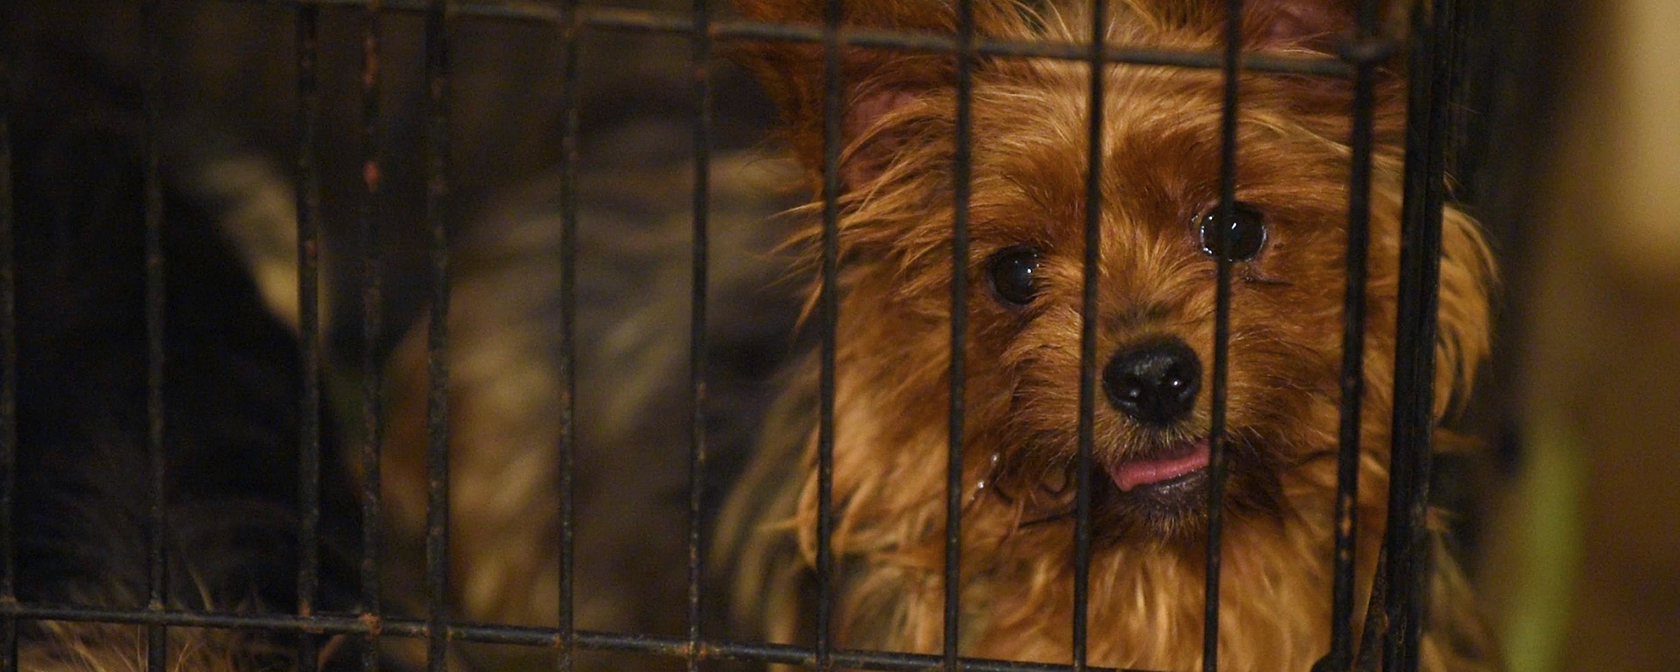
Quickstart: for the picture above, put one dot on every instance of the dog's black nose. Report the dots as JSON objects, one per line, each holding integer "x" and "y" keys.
{"x": 1154, "y": 382}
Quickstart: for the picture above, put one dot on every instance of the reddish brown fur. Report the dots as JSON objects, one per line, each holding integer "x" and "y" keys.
{"x": 1160, "y": 173}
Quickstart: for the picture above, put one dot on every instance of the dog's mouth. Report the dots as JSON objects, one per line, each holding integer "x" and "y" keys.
{"x": 1180, "y": 465}
{"x": 1161, "y": 492}
{"x": 1156, "y": 492}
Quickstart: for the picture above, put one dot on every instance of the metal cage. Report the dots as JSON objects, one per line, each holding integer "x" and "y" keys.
{"x": 1432, "y": 44}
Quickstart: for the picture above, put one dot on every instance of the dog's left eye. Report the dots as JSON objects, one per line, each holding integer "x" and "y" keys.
{"x": 1244, "y": 232}
{"x": 1014, "y": 274}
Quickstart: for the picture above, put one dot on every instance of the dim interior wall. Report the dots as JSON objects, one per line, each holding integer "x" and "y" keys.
{"x": 1591, "y": 568}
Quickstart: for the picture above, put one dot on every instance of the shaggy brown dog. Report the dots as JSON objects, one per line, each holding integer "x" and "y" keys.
{"x": 1156, "y": 298}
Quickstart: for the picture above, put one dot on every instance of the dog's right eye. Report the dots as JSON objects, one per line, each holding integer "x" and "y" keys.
{"x": 1014, "y": 273}
{"x": 1238, "y": 239}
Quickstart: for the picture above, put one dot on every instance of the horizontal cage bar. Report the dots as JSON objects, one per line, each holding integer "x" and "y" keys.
{"x": 609, "y": 18}
{"x": 462, "y": 631}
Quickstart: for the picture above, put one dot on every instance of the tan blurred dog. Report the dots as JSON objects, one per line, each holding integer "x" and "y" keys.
{"x": 632, "y": 409}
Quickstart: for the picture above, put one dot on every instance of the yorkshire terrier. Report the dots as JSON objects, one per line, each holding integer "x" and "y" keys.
{"x": 1160, "y": 231}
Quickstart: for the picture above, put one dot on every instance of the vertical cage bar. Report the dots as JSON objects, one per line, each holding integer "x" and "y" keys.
{"x": 960, "y": 188}
{"x": 570, "y": 25}
{"x": 309, "y": 327}
{"x": 8, "y": 356}
{"x": 1221, "y": 332}
{"x": 437, "y": 334}
{"x": 1420, "y": 265}
{"x": 1376, "y": 619}
{"x": 1088, "y": 339}
{"x": 833, "y": 108}
{"x": 151, "y": 24}
{"x": 1353, "y": 340}
{"x": 372, "y": 308}
{"x": 702, "y": 63}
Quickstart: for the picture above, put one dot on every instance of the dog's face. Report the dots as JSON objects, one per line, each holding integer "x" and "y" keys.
{"x": 1161, "y": 237}
{"x": 1160, "y": 230}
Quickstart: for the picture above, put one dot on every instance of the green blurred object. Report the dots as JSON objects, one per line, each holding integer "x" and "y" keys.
{"x": 1550, "y": 494}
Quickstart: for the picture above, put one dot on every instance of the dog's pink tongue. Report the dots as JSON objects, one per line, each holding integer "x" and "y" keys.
{"x": 1133, "y": 473}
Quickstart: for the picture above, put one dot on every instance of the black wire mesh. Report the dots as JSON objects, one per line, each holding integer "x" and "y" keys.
{"x": 1403, "y": 565}
{"x": 961, "y": 174}
{"x": 368, "y": 219}
{"x": 9, "y": 351}
{"x": 830, "y": 316}
{"x": 309, "y": 324}
{"x": 1420, "y": 266}
{"x": 567, "y": 636}
{"x": 1088, "y": 343}
{"x": 702, "y": 63}
{"x": 1353, "y": 345}
{"x": 437, "y": 335}
{"x": 157, "y": 649}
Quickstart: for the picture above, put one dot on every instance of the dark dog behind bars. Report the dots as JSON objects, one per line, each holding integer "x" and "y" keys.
{"x": 196, "y": 508}
{"x": 632, "y": 198}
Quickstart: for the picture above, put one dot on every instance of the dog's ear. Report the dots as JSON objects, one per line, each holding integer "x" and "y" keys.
{"x": 1317, "y": 25}
{"x": 1303, "y": 28}
{"x": 878, "y": 84}
{"x": 875, "y": 83}
{"x": 1313, "y": 25}
{"x": 795, "y": 75}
